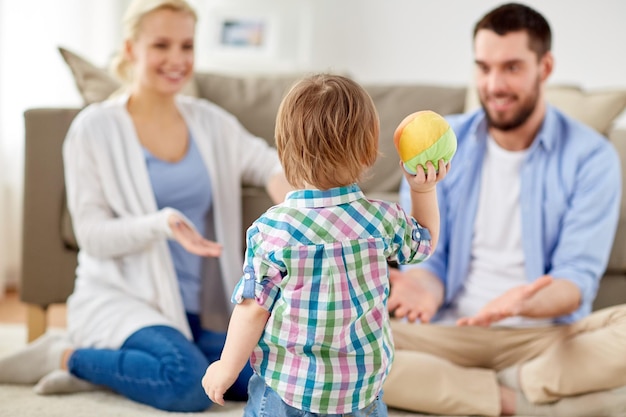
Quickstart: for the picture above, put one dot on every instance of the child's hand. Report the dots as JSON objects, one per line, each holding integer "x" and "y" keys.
{"x": 217, "y": 379}
{"x": 425, "y": 181}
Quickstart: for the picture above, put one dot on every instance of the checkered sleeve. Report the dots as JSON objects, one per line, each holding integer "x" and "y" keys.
{"x": 261, "y": 273}
{"x": 411, "y": 242}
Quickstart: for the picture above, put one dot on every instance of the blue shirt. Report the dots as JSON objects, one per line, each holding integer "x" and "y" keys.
{"x": 185, "y": 186}
{"x": 570, "y": 201}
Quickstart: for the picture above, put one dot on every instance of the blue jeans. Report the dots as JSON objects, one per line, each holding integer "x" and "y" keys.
{"x": 265, "y": 402}
{"x": 159, "y": 367}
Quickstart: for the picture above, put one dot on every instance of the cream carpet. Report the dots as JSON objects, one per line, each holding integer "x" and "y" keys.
{"x": 21, "y": 401}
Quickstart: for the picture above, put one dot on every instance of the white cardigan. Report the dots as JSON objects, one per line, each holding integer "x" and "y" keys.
{"x": 125, "y": 276}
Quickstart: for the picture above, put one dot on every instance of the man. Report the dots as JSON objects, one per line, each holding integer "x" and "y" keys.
{"x": 528, "y": 215}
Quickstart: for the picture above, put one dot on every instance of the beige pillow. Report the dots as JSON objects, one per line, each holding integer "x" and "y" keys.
{"x": 596, "y": 108}
{"x": 96, "y": 84}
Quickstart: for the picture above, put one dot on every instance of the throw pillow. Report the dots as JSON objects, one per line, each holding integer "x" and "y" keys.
{"x": 597, "y": 108}
{"x": 96, "y": 84}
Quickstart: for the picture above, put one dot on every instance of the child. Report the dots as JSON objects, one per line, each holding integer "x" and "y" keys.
{"x": 311, "y": 311}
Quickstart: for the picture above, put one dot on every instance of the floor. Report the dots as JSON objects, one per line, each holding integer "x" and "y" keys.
{"x": 13, "y": 311}
{"x": 23, "y": 402}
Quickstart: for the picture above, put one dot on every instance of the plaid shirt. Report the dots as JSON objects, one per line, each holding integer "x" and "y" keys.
{"x": 318, "y": 263}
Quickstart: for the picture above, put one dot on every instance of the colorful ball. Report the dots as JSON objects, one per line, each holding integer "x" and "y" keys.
{"x": 424, "y": 136}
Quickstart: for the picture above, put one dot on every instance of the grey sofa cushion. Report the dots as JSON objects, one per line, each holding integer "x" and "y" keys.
{"x": 253, "y": 100}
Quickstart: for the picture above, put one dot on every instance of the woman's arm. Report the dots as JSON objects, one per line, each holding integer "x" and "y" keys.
{"x": 96, "y": 180}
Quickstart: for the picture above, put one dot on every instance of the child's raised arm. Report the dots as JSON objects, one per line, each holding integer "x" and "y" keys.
{"x": 425, "y": 208}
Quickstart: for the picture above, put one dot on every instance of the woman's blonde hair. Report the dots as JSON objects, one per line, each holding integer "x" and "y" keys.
{"x": 137, "y": 10}
{"x": 326, "y": 132}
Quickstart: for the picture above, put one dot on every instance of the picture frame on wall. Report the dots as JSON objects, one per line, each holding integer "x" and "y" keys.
{"x": 243, "y": 36}
{"x": 242, "y": 32}
{"x": 247, "y": 39}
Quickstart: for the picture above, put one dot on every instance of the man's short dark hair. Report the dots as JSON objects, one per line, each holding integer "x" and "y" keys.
{"x": 515, "y": 17}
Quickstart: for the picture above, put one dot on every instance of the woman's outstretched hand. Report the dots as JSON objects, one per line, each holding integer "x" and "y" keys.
{"x": 191, "y": 240}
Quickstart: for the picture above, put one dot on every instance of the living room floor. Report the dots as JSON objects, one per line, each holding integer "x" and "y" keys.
{"x": 13, "y": 310}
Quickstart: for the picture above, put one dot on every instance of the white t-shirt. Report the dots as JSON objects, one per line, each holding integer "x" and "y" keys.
{"x": 497, "y": 262}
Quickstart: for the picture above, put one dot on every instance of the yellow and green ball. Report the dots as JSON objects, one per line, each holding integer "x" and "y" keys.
{"x": 424, "y": 136}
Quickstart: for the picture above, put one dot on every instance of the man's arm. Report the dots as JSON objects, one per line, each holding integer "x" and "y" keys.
{"x": 559, "y": 298}
{"x": 416, "y": 294}
{"x": 546, "y": 297}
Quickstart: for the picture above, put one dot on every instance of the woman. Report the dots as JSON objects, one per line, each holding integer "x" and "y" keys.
{"x": 143, "y": 168}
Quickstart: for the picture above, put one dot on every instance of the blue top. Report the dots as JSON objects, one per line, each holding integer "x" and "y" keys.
{"x": 570, "y": 201}
{"x": 185, "y": 186}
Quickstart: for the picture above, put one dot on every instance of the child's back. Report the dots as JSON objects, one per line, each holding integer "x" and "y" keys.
{"x": 312, "y": 304}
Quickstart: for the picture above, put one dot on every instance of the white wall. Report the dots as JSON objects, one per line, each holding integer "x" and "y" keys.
{"x": 32, "y": 74}
{"x": 286, "y": 41}
{"x": 398, "y": 41}
{"x": 420, "y": 40}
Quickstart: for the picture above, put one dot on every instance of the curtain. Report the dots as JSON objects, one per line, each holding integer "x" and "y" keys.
{"x": 33, "y": 74}
{"x": 3, "y": 231}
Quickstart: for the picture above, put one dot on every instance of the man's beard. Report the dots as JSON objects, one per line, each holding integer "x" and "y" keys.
{"x": 520, "y": 117}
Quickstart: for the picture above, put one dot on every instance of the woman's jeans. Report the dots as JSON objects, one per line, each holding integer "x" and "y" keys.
{"x": 265, "y": 402}
{"x": 158, "y": 366}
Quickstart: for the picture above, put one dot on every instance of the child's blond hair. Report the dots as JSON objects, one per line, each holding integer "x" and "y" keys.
{"x": 326, "y": 132}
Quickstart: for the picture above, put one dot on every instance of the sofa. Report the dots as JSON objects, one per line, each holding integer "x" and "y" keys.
{"x": 49, "y": 247}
